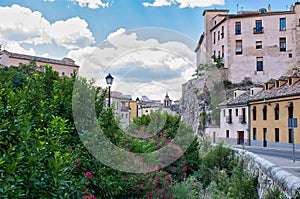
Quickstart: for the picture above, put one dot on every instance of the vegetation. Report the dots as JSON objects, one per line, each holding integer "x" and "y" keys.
{"x": 42, "y": 155}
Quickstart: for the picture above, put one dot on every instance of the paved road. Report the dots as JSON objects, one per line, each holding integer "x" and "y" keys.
{"x": 277, "y": 153}
{"x": 280, "y": 157}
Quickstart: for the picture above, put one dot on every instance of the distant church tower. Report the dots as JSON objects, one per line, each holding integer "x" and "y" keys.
{"x": 167, "y": 101}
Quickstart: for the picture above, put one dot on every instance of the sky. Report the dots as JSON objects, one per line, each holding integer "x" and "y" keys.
{"x": 147, "y": 45}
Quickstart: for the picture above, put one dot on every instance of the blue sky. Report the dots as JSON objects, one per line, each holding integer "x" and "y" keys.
{"x": 76, "y": 28}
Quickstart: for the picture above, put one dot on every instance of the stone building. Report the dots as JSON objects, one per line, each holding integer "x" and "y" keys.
{"x": 256, "y": 45}
{"x": 66, "y": 66}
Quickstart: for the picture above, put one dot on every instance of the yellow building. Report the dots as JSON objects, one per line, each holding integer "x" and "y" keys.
{"x": 270, "y": 110}
{"x": 133, "y": 110}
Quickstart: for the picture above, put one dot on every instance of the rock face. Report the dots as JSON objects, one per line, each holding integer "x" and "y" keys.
{"x": 197, "y": 95}
{"x": 194, "y": 100}
{"x": 270, "y": 176}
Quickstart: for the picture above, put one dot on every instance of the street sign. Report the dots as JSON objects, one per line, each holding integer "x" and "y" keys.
{"x": 292, "y": 123}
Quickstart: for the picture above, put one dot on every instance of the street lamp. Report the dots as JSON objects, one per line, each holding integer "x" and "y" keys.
{"x": 109, "y": 81}
{"x": 137, "y": 106}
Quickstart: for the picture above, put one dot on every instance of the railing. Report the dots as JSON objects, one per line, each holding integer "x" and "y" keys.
{"x": 228, "y": 119}
{"x": 242, "y": 119}
{"x": 258, "y": 30}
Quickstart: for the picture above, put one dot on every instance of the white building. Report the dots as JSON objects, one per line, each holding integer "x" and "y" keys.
{"x": 121, "y": 105}
{"x": 234, "y": 117}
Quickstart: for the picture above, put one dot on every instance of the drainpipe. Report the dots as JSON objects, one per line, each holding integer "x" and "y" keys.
{"x": 249, "y": 127}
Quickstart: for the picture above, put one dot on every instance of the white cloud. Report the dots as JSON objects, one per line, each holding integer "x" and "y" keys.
{"x": 93, "y": 4}
{"x": 15, "y": 47}
{"x": 30, "y": 27}
{"x": 134, "y": 62}
{"x": 49, "y": 0}
{"x": 72, "y": 33}
{"x": 158, "y": 3}
{"x": 185, "y": 3}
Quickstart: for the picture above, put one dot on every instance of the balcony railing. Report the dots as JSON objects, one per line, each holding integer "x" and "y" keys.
{"x": 258, "y": 30}
{"x": 124, "y": 109}
{"x": 228, "y": 119}
{"x": 242, "y": 119}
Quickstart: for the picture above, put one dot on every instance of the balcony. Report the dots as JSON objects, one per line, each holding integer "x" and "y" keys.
{"x": 242, "y": 119}
{"x": 258, "y": 30}
{"x": 228, "y": 119}
{"x": 124, "y": 109}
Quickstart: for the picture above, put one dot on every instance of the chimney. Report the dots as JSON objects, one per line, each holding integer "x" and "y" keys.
{"x": 269, "y": 8}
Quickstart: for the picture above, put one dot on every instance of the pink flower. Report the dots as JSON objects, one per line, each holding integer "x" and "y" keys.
{"x": 139, "y": 186}
{"x": 78, "y": 163}
{"x": 168, "y": 141}
{"x": 126, "y": 177}
{"x": 85, "y": 197}
{"x": 92, "y": 197}
{"x": 150, "y": 193}
{"x": 89, "y": 175}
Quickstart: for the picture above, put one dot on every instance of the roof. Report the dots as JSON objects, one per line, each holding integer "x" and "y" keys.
{"x": 64, "y": 61}
{"x": 214, "y": 10}
{"x": 283, "y": 91}
{"x": 240, "y": 100}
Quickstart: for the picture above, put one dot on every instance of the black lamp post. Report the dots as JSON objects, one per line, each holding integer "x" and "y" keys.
{"x": 137, "y": 106}
{"x": 109, "y": 81}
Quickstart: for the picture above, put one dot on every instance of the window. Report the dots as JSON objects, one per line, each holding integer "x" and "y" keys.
{"x": 276, "y": 134}
{"x": 227, "y": 133}
{"x": 236, "y": 112}
{"x": 282, "y": 24}
{"x": 254, "y": 113}
{"x": 71, "y": 74}
{"x": 214, "y": 53}
{"x": 276, "y": 112}
{"x": 265, "y": 112}
{"x": 214, "y": 37}
{"x": 258, "y": 44}
{"x": 62, "y": 73}
{"x": 218, "y": 35}
{"x": 222, "y": 51}
{"x": 290, "y": 136}
{"x": 259, "y": 64}
{"x": 291, "y": 110}
{"x": 224, "y": 113}
{"x": 252, "y": 92}
{"x": 222, "y": 33}
{"x": 230, "y": 115}
{"x": 254, "y": 133}
{"x": 290, "y": 55}
{"x": 290, "y": 81}
{"x": 239, "y": 47}
{"x": 238, "y": 28}
{"x": 219, "y": 53}
{"x": 243, "y": 115}
{"x": 258, "y": 27}
{"x": 282, "y": 44}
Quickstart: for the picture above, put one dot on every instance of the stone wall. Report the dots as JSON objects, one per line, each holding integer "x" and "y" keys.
{"x": 270, "y": 175}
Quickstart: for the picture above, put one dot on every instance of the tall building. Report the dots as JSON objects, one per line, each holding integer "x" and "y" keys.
{"x": 66, "y": 66}
{"x": 255, "y": 46}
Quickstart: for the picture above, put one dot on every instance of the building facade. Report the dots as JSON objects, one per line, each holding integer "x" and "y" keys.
{"x": 234, "y": 117}
{"x": 64, "y": 67}
{"x": 252, "y": 44}
{"x": 270, "y": 111}
{"x": 121, "y": 106}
